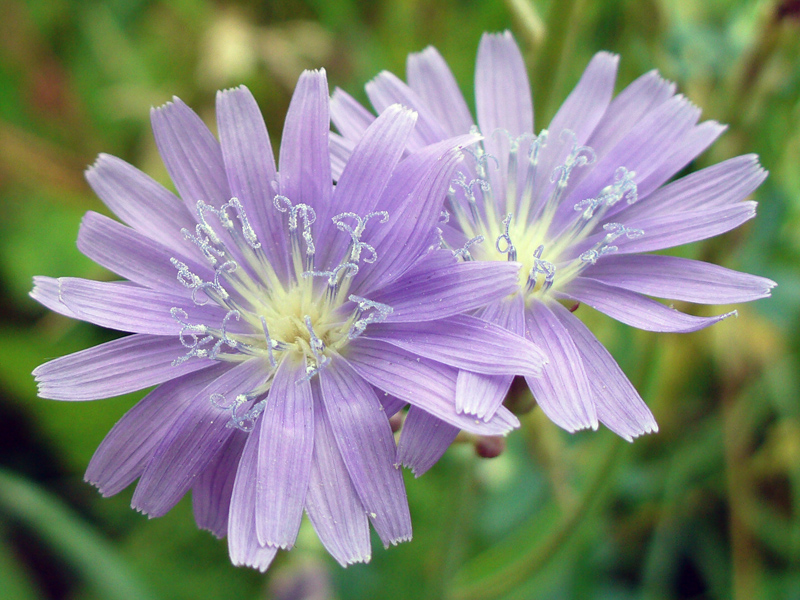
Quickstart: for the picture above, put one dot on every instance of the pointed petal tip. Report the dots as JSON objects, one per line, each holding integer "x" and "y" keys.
{"x": 607, "y": 56}
{"x": 397, "y": 540}
{"x": 426, "y": 51}
{"x": 101, "y": 160}
{"x": 320, "y": 74}
{"x": 646, "y": 428}
{"x": 226, "y": 93}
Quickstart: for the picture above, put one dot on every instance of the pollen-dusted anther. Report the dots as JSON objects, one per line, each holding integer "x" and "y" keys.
{"x": 578, "y": 156}
{"x": 190, "y": 336}
{"x": 591, "y": 256}
{"x": 185, "y": 276}
{"x": 514, "y": 140}
{"x": 271, "y": 345}
{"x": 212, "y": 290}
{"x": 201, "y": 239}
{"x": 623, "y": 187}
{"x": 336, "y": 275}
{"x": 247, "y": 230}
{"x": 480, "y": 155}
{"x": 356, "y": 245}
{"x": 305, "y": 212}
{"x": 224, "y": 339}
{"x": 379, "y": 313}
{"x": 616, "y": 230}
{"x": 464, "y": 252}
{"x": 317, "y": 349}
{"x": 242, "y": 421}
{"x": 538, "y": 144}
{"x": 505, "y": 237}
{"x": 468, "y": 186}
{"x": 541, "y": 267}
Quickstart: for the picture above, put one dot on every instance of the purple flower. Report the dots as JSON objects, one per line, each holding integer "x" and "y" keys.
{"x": 581, "y": 205}
{"x": 283, "y": 321}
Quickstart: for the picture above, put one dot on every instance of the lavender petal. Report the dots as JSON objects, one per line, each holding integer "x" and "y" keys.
{"x": 139, "y": 201}
{"x": 284, "y": 455}
{"x": 580, "y": 113}
{"x": 641, "y": 151}
{"x": 364, "y": 438}
{"x": 305, "y": 171}
{"x": 482, "y": 395}
{"x": 341, "y": 149}
{"x": 191, "y": 154}
{"x": 683, "y": 228}
{"x": 632, "y": 104}
{"x": 679, "y": 279}
{"x": 635, "y": 310}
{"x": 503, "y": 100}
{"x": 114, "y": 368}
{"x": 420, "y": 382}
{"x": 250, "y": 168}
{"x": 130, "y": 445}
{"x": 211, "y": 494}
{"x": 243, "y": 545}
{"x": 413, "y": 200}
{"x": 694, "y": 143}
{"x": 718, "y": 186}
{"x": 464, "y": 342}
{"x": 563, "y": 390}
{"x": 349, "y": 117}
{"x": 423, "y": 440}
{"x": 367, "y": 173}
{"x": 619, "y": 406}
{"x": 125, "y": 307}
{"x": 386, "y": 89}
{"x": 132, "y": 255}
{"x": 431, "y": 79}
{"x": 195, "y": 439}
{"x": 332, "y": 503}
{"x": 442, "y": 289}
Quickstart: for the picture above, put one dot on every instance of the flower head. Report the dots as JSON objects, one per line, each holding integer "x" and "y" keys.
{"x": 580, "y": 204}
{"x": 283, "y": 321}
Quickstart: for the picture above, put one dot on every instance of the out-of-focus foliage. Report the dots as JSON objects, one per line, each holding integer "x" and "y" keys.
{"x": 707, "y": 508}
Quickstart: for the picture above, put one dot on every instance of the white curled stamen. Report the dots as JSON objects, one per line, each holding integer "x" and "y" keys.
{"x": 347, "y": 269}
{"x": 271, "y": 345}
{"x": 591, "y": 256}
{"x": 469, "y": 186}
{"x": 541, "y": 267}
{"x": 578, "y": 156}
{"x": 508, "y": 247}
{"x": 623, "y": 187}
{"x": 617, "y": 230}
{"x": 378, "y": 313}
{"x": 247, "y": 230}
{"x": 317, "y": 349}
{"x": 356, "y": 245}
{"x": 537, "y": 145}
{"x": 192, "y": 336}
{"x": 243, "y": 421}
{"x": 464, "y": 252}
{"x": 224, "y": 339}
{"x": 305, "y": 212}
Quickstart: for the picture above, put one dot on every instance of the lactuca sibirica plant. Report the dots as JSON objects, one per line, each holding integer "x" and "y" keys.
{"x": 283, "y": 321}
{"x": 582, "y": 204}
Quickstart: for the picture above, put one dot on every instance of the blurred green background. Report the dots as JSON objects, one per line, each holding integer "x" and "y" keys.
{"x": 707, "y": 508}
